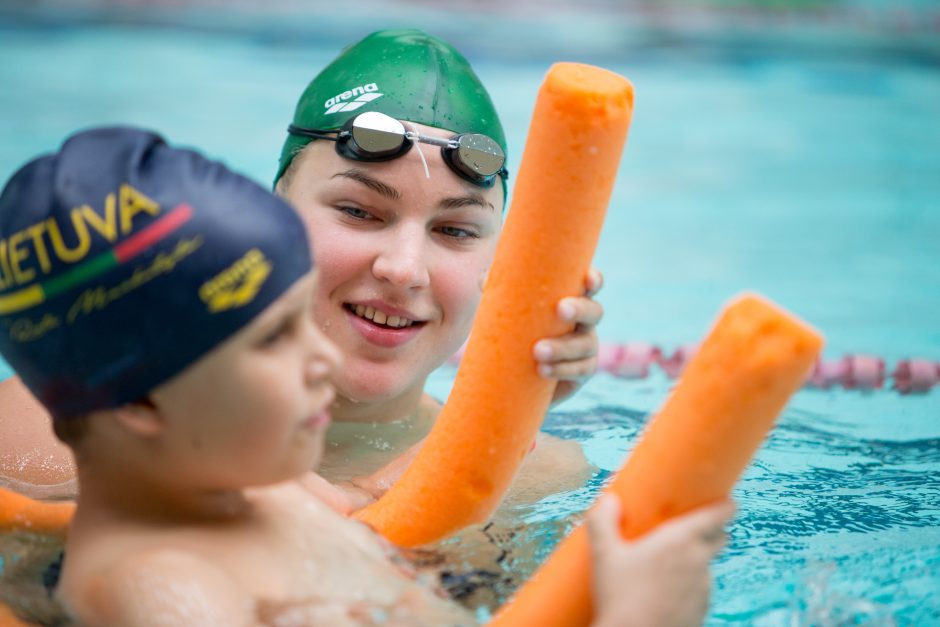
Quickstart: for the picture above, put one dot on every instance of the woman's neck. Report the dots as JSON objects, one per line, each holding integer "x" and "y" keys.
{"x": 401, "y": 407}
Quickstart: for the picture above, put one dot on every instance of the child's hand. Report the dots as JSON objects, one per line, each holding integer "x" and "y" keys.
{"x": 572, "y": 358}
{"x": 661, "y": 579}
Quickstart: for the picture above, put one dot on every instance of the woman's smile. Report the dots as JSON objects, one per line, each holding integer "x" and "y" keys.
{"x": 383, "y": 325}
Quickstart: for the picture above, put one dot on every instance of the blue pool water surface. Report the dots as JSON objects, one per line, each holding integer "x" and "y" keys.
{"x": 810, "y": 174}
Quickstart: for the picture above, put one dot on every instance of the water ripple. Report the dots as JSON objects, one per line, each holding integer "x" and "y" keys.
{"x": 832, "y": 529}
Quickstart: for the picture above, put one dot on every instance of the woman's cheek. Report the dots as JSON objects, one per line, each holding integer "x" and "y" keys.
{"x": 461, "y": 291}
{"x": 338, "y": 254}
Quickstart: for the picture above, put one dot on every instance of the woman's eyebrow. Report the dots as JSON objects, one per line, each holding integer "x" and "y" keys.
{"x": 374, "y": 184}
{"x": 469, "y": 200}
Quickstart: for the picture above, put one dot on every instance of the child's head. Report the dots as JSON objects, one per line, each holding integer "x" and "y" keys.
{"x": 147, "y": 283}
{"x": 402, "y": 239}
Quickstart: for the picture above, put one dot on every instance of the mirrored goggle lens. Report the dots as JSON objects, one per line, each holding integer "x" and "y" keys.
{"x": 480, "y": 154}
{"x": 376, "y": 133}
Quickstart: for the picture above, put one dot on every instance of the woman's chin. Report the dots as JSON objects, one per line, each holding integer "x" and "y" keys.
{"x": 375, "y": 385}
{"x": 359, "y": 394}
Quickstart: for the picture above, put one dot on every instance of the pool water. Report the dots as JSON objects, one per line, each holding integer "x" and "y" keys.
{"x": 805, "y": 170}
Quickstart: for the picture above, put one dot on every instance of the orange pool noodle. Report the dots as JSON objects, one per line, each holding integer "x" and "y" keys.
{"x": 9, "y": 619}
{"x": 498, "y": 399}
{"x": 692, "y": 451}
{"x": 21, "y": 513}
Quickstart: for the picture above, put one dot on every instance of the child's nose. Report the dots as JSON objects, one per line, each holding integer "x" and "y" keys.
{"x": 324, "y": 357}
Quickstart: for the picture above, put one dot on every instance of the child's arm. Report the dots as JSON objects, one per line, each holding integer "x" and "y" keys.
{"x": 164, "y": 588}
{"x": 556, "y": 466}
{"x": 347, "y": 497}
{"x": 343, "y": 497}
{"x": 374, "y": 486}
{"x": 661, "y": 579}
{"x": 350, "y": 496}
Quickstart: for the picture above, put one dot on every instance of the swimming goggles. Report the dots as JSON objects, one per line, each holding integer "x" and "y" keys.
{"x": 374, "y": 136}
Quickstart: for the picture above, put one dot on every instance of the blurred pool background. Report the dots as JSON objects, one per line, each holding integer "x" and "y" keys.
{"x": 785, "y": 147}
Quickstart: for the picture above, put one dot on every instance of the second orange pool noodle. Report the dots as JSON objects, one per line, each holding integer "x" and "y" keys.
{"x": 9, "y": 619}
{"x": 21, "y": 513}
{"x": 498, "y": 400}
{"x": 692, "y": 451}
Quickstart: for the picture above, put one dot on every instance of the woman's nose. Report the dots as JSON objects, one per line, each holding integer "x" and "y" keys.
{"x": 403, "y": 261}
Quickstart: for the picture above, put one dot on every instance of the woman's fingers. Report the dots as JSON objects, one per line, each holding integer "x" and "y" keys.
{"x": 572, "y": 358}
{"x": 573, "y": 347}
{"x": 581, "y": 310}
{"x": 593, "y": 282}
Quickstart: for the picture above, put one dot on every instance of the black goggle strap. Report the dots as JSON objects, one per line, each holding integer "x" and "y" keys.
{"x": 314, "y": 134}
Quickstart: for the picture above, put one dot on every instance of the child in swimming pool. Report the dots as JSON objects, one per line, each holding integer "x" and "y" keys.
{"x": 178, "y": 351}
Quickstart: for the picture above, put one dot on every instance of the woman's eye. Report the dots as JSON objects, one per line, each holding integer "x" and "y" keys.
{"x": 458, "y": 233}
{"x": 356, "y": 213}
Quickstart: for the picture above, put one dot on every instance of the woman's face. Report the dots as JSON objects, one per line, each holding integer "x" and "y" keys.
{"x": 401, "y": 260}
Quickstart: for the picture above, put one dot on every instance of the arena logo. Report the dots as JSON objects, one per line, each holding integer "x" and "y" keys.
{"x": 238, "y": 284}
{"x": 363, "y": 94}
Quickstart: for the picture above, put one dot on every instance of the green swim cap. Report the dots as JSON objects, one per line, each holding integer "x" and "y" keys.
{"x": 406, "y": 74}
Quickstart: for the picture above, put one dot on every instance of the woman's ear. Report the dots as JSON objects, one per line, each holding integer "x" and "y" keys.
{"x": 141, "y": 418}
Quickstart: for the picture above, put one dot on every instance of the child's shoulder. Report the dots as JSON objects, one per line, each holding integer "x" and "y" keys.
{"x": 161, "y": 586}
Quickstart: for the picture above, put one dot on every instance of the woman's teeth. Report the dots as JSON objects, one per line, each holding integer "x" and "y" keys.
{"x": 370, "y": 313}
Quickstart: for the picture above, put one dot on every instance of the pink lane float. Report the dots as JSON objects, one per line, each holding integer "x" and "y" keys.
{"x": 636, "y": 360}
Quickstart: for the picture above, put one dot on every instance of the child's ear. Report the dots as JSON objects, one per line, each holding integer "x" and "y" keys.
{"x": 141, "y": 417}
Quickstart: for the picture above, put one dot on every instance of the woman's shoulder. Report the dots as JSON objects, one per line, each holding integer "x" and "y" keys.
{"x": 554, "y": 465}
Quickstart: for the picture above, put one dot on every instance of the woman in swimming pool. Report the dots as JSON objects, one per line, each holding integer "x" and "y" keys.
{"x": 395, "y": 158}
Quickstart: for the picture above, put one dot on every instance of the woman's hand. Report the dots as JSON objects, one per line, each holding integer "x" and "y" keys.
{"x": 572, "y": 358}
{"x": 660, "y": 579}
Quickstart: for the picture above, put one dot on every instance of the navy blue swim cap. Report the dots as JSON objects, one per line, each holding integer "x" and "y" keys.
{"x": 123, "y": 260}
